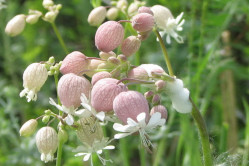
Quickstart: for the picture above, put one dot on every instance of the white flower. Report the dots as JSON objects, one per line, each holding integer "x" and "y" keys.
{"x": 140, "y": 127}
{"x": 69, "y": 119}
{"x": 97, "y": 147}
{"x": 173, "y": 25}
{"x": 89, "y": 110}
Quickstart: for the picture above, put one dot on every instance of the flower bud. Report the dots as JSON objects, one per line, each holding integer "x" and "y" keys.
{"x": 62, "y": 136}
{"x": 149, "y": 94}
{"x": 47, "y": 3}
{"x": 46, "y": 142}
{"x": 33, "y": 16}
{"x": 28, "y": 128}
{"x": 130, "y": 104}
{"x": 122, "y": 58}
{"x": 145, "y": 9}
{"x": 45, "y": 119}
{"x": 161, "y": 109}
{"x": 98, "y": 76}
{"x": 156, "y": 99}
{"x": 133, "y": 7}
{"x": 89, "y": 131}
{"x": 50, "y": 16}
{"x": 161, "y": 15}
{"x": 112, "y": 13}
{"x": 70, "y": 87}
{"x": 97, "y": 16}
{"x": 109, "y": 36}
{"x": 130, "y": 45}
{"x": 138, "y": 73}
{"x": 34, "y": 77}
{"x": 93, "y": 65}
{"x": 144, "y": 35}
{"x": 143, "y": 22}
{"x": 152, "y": 68}
{"x": 113, "y": 60}
{"x": 160, "y": 85}
{"x": 74, "y": 62}
{"x": 122, "y": 5}
{"x": 104, "y": 65}
{"x": 16, "y": 25}
{"x": 104, "y": 92}
{"x": 106, "y": 55}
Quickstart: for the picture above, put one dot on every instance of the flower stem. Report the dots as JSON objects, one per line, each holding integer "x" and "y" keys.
{"x": 207, "y": 156}
{"x": 59, "y": 153}
{"x": 58, "y": 35}
{"x": 165, "y": 53}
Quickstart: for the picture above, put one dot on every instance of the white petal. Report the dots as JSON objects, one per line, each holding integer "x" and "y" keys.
{"x": 99, "y": 151}
{"x": 101, "y": 116}
{"x": 84, "y": 98}
{"x": 86, "y": 157}
{"x": 80, "y": 154}
{"x": 86, "y": 106}
{"x": 120, "y": 127}
{"x": 80, "y": 112}
{"x": 181, "y": 23}
{"x": 178, "y": 18}
{"x": 131, "y": 122}
{"x": 109, "y": 147}
{"x": 121, "y": 135}
{"x": 154, "y": 119}
{"x": 168, "y": 39}
{"x": 69, "y": 119}
{"x": 52, "y": 102}
{"x": 141, "y": 117}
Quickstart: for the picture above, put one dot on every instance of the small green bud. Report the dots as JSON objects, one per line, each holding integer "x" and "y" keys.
{"x": 62, "y": 136}
{"x": 47, "y": 112}
{"x": 28, "y": 128}
{"x": 58, "y": 7}
{"x": 46, "y": 119}
{"x": 51, "y": 60}
{"x": 50, "y": 73}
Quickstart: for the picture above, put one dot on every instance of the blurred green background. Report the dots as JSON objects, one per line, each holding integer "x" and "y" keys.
{"x": 213, "y": 62}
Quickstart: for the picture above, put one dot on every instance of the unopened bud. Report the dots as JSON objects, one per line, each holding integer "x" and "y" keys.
{"x": 46, "y": 119}
{"x": 112, "y": 13}
{"x": 156, "y": 99}
{"x": 122, "y": 4}
{"x": 16, "y": 25}
{"x": 33, "y": 16}
{"x": 145, "y": 9}
{"x": 144, "y": 35}
{"x": 138, "y": 73}
{"x": 161, "y": 109}
{"x": 161, "y": 15}
{"x": 149, "y": 94}
{"x": 109, "y": 36}
{"x": 97, "y": 16}
{"x": 160, "y": 85}
{"x": 50, "y": 16}
{"x": 28, "y": 128}
{"x": 122, "y": 58}
{"x": 47, "y": 3}
{"x": 133, "y": 7}
{"x": 89, "y": 130}
{"x": 62, "y": 136}
{"x": 143, "y": 22}
{"x": 93, "y": 65}
{"x": 98, "y": 76}
{"x": 113, "y": 60}
{"x": 130, "y": 45}
{"x": 106, "y": 55}
{"x": 46, "y": 142}
{"x": 51, "y": 60}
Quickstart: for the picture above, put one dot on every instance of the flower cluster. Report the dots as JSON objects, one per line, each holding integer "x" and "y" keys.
{"x": 84, "y": 105}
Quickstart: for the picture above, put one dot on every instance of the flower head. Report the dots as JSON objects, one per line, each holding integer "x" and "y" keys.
{"x": 167, "y": 23}
{"x": 46, "y": 142}
{"x": 16, "y": 25}
{"x": 34, "y": 77}
{"x": 140, "y": 125}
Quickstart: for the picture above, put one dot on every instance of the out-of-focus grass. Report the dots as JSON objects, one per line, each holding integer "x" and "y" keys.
{"x": 199, "y": 62}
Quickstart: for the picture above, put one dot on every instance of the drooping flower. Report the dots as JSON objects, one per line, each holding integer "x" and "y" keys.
{"x": 16, "y": 25}
{"x": 46, "y": 142}
{"x": 167, "y": 23}
{"x": 140, "y": 125}
{"x": 34, "y": 77}
{"x": 104, "y": 92}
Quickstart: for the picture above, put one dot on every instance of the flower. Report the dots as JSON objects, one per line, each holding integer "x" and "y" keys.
{"x": 69, "y": 119}
{"x": 141, "y": 126}
{"x": 34, "y": 77}
{"x": 167, "y": 23}
{"x": 46, "y": 142}
{"x": 97, "y": 147}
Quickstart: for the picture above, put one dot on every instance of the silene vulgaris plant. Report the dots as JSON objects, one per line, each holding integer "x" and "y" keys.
{"x": 85, "y": 105}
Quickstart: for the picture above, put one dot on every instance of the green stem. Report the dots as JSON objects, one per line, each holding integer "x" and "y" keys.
{"x": 58, "y": 35}
{"x": 59, "y": 153}
{"x": 165, "y": 53}
{"x": 207, "y": 156}
{"x": 56, "y": 82}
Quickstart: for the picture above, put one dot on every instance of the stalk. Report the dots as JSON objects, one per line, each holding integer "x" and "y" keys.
{"x": 58, "y": 35}
{"x": 207, "y": 156}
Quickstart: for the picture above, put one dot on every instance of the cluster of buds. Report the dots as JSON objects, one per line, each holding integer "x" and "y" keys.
{"x": 85, "y": 104}
{"x": 17, "y": 24}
